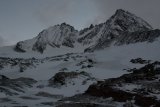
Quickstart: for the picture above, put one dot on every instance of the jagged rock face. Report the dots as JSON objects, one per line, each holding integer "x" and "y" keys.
{"x": 125, "y": 21}
{"x": 125, "y": 38}
{"x": 139, "y": 36}
{"x": 55, "y": 37}
{"x": 120, "y": 23}
{"x": 89, "y": 35}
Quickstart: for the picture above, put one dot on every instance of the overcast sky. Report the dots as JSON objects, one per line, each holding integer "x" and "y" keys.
{"x": 24, "y": 19}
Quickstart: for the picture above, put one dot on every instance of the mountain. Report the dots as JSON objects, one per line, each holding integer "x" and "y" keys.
{"x": 56, "y": 36}
{"x": 121, "y": 21}
{"x": 113, "y": 29}
{"x": 121, "y": 28}
{"x": 119, "y": 68}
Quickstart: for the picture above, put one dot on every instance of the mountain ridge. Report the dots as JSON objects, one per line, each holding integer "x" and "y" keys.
{"x": 92, "y": 38}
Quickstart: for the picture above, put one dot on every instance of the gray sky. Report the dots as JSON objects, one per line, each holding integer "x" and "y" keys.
{"x": 24, "y": 19}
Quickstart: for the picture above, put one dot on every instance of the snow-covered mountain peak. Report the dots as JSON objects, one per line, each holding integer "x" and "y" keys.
{"x": 127, "y": 21}
{"x": 122, "y": 12}
{"x": 113, "y": 29}
{"x": 54, "y": 31}
{"x": 55, "y": 36}
{"x": 61, "y": 26}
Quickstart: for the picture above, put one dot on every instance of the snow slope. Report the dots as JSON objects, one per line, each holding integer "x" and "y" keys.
{"x": 107, "y": 63}
{"x": 111, "y": 60}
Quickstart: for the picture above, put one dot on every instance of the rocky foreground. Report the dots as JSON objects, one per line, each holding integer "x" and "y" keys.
{"x": 141, "y": 88}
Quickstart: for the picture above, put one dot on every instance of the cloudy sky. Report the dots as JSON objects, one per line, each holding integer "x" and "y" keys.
{"x": 24, "y": 19}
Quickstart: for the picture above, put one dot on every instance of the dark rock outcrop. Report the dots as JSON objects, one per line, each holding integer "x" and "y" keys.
{"x": 21, "y": 63}
{"x": 7, "y": 85}
{"x": 112, "y": 87}
{"x": 139, "y": 61}
{"x": 61, "y": 78}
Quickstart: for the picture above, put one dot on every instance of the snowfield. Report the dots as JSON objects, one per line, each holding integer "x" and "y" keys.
{"x": 107, "y": 63}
